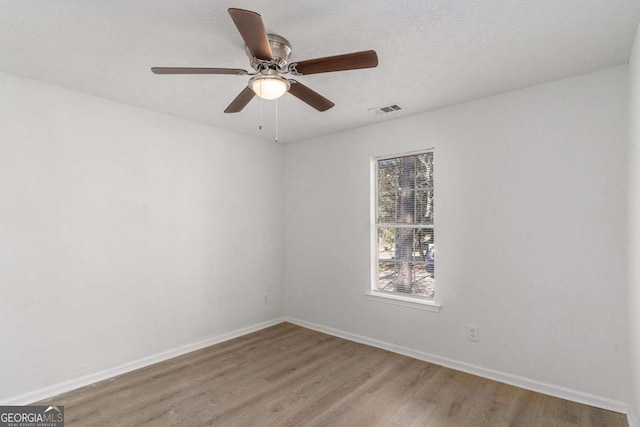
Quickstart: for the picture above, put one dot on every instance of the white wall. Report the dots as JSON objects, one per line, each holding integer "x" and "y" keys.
{"x": 124, "y": 233}
{"x": 120, "y": 231}
{"x": 530, "y": 218}
{"x": 634, "y": 224}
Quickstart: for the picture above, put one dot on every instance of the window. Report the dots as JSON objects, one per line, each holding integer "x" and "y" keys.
{"x": 404, "y": 235}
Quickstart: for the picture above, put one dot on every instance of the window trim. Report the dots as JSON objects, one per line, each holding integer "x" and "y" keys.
{"x": 416, "y": 302}
{"x": 420, "y": 303}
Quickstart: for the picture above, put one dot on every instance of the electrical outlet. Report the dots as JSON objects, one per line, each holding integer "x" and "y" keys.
{"x": 473, "y": 333}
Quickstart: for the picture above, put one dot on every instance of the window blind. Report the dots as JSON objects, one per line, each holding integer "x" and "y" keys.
{"x": 404, "y": 212}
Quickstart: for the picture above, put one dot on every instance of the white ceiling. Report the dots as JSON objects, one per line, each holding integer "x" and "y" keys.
{"x": 432, "y": 53}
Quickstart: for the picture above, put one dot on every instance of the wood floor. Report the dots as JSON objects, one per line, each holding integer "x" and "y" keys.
{"x": 290, "y": 376}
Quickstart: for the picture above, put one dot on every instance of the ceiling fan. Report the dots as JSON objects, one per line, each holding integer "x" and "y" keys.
{"x": 269, "y": 58}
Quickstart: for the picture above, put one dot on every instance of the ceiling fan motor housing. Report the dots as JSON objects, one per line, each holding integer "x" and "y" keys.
{"x": 280, "y": 49}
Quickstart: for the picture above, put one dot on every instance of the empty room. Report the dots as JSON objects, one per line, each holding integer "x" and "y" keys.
{"x": 228, "y": 214}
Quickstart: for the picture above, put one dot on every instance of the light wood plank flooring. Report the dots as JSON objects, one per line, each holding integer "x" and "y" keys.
{"x": 291, "y": 376}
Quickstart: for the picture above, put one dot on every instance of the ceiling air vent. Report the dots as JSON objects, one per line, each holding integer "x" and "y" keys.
{"x": 386, "y": 109}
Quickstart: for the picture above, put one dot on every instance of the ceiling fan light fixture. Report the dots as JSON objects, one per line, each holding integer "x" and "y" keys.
{"x": 269, "y": 87}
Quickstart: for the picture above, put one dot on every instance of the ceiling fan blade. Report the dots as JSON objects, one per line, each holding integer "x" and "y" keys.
{"x": 252, "y": 30}
{"x": 309, "y": 96}
{"x": 193, "y": 70}
{"x": 349, "y": 61}
{"x": 241, "y": 101}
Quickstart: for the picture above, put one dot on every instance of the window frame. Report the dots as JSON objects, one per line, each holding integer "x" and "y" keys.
{"x": 395, "y": 298}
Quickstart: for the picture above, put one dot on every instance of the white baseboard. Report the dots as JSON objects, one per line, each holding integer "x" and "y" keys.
{"x": 515, "y": 380}
{"x": 518, "y": 381}
{"x": 632, "y": 420}
{"x": 54, "y": 390}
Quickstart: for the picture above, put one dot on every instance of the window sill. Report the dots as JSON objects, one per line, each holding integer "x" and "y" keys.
{"x": 416, "y": 303}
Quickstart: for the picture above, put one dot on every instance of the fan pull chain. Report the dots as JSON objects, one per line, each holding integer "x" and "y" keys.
{"x": 276, "y": 121}
{"x": 260, "y": 125}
